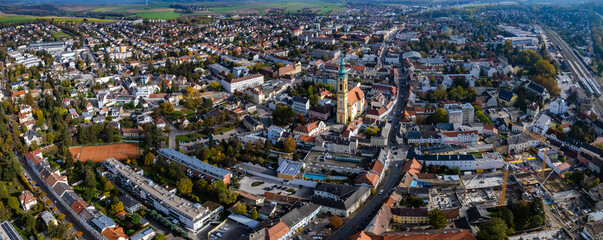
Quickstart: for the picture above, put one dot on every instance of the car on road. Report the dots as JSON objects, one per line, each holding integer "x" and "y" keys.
{"x": 381, "y": 192}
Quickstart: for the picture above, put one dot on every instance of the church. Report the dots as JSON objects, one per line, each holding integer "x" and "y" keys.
{"x": 350, "y": 104}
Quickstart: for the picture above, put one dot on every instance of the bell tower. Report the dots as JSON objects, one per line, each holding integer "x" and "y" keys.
{"x": 342, "y": 94}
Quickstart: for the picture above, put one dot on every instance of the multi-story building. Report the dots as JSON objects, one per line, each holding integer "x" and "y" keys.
{"x": 8, "y": 232}
{"x": 301, "y": 105}
{"x": 465, "y": 162}
{"x": 341, "y": 200}
{"x": 196, "y": 167}
{"x": 410, "y": 215}
{"x": 193, "y": 216}
{"x": 239, "y": 84}
{"x": 459, "y": 113}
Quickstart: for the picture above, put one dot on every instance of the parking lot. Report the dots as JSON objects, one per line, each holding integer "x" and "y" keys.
{"x": 267, "y": 185}
{"x": 230, "y": 230}
{"x": 318, "y": 228}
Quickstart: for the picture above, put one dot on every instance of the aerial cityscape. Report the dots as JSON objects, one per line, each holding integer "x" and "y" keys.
{"x": 301, "y": 120}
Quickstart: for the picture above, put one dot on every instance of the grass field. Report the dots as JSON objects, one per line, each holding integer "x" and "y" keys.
{"x": 14, "y": 19}
{"x": 261, "y": 7}
{"x": 158, "y": 14}
{"x": 60, "y": 35}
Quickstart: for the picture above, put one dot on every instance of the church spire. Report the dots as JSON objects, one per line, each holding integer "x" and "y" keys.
{"x": 342, "y": 66}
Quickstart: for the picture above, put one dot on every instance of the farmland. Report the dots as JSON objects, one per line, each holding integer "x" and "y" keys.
{"x": 18, "y": 18}
{"x": 261, "y": 7}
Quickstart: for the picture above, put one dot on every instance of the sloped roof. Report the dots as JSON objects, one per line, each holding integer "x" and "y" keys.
{"x": 355, "y": 94}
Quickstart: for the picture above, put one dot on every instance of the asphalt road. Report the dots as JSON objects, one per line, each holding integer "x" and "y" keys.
{"x": 368, "y": 211}
{"x": 77, "y": 225}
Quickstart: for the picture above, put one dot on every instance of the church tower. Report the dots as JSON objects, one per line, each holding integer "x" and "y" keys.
{"x": 342, "y": 94}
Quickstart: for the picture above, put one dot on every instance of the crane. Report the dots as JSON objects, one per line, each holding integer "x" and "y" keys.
{"x": 507, "y": 164}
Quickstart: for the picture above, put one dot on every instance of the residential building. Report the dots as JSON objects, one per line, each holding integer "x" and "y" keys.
{"x": 27, "y": 200}
{"x": 320, "y": 112}
{"x": 193, "y": 216}
{"x": 239, "y": 84}
{"x": 301, "y": 105}
{"x": 310, "y": 129}
{"x": 8, "y": 232}
{"x": 195, "y": 167}
{"x": 408, "y": 215}
{"x": 275, "y": 133}
{"x": 593, "y": 230}
{"x": 337, "y": 199}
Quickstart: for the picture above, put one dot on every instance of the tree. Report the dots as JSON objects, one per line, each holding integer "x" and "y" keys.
{"x": 13, "y": 203}
{"x": 185, "y": 186}
{"x": 240, "y": 208}
{"x": 283, "y": 115}
{"x": 494, "y": 229}
{"x": 136, "y": 218}
{"x": 335, "y": 221}
{"x": 61, "y": 216}
{"x": 108, "y": 186}
{"x": 254, "y": 214}
{"x": 289, "y": 145}
{"x": 160, "y": 237}
{"x": 440, "y": 116}
{"x": 437, "y": 219}
{"x": 149, "y": 159}
{"x": 116, "y": 208}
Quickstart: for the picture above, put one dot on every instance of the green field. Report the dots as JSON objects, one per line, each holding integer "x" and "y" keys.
{"x": 60, "y": 35}
{"x": 14, "y": 19}
{"x": 264, "y": 6}
{"x": 158, "y": 14}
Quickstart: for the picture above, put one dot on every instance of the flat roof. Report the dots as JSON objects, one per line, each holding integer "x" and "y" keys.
{"x": 289, "y": 168}
{"x": 193, "y": 162}
{"x": 167, "y": 198}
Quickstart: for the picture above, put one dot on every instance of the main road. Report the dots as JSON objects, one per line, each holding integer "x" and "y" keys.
{"x": 366, "y": 214}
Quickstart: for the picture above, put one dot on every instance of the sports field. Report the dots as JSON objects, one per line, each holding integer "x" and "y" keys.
{"x": 101, "y": 153}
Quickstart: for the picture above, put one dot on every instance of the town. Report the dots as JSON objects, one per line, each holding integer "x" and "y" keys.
{"x": 371, "y": 121}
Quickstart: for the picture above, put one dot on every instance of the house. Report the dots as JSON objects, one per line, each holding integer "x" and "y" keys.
{"x": 301, "y": 105}
{"x": 439, "y": 234}
{"x": 289, "y": 224}
{"x": 78, "y": 206}
{"x": 506, "y": 97}
{"x": 478, "y": 215}
{"x": 337, "y": 199}
{"x": 133, "y": 133}
{"x": 32, "y": 137}
{"x": 144, "y": 119}
{"x": 146, "y": 234}
{"x": 311, "y": 129}
{"x": 48, "y": 218}
{"x": 275, "y": 133}
{"x": 131, "y": 205}
{"x": 408, "y": 215}
{"x": 27, "y": 200}
{"x": 114, "y": 233}
{"x": 252, "y": 124}
{"x": 267, "y": 211}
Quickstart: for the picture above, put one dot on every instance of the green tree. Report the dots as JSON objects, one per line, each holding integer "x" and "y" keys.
{"x": 494, "y": 229}
{"x": 136, "y": 218}
{"x": 440, "y": 116}
{"x": 13, "y": 203}
{"x": 437, "y": 219}
{"x": 108, "y": 186}
{"x": 283, "y": 115}
{"x": 254, "y": 214}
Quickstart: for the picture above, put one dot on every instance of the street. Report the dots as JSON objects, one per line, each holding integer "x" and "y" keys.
{"x": 77, "y": 225}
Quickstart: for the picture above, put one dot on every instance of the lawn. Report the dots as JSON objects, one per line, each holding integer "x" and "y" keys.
{"x": 60, "y": 35}
{"x": 158, "y": 14}
{"x": 188, "y": 137}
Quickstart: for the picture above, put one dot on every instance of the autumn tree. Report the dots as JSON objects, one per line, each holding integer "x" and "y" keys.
{"x": 335, "y": 221}
{"x": 149, "y": 159}
{"x": 185, "y": 186}
{"x": 289, "y": 145}
{"x": 240, "y": 208}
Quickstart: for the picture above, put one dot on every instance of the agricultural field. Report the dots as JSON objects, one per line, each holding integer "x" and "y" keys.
{"x": 14, "y": 19}
{"x": 168, "y": 14}
{"x": 261, "y": 7}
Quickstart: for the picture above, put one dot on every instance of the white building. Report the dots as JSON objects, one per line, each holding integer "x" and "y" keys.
{"x": 239, "y": 84}
{"x": 145, "y": 91}
{"x": 301, "y": 105}
{"x": 465, "y": 162}
{"x": 558, "y": 106}
{"x": 193, "y": 216}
